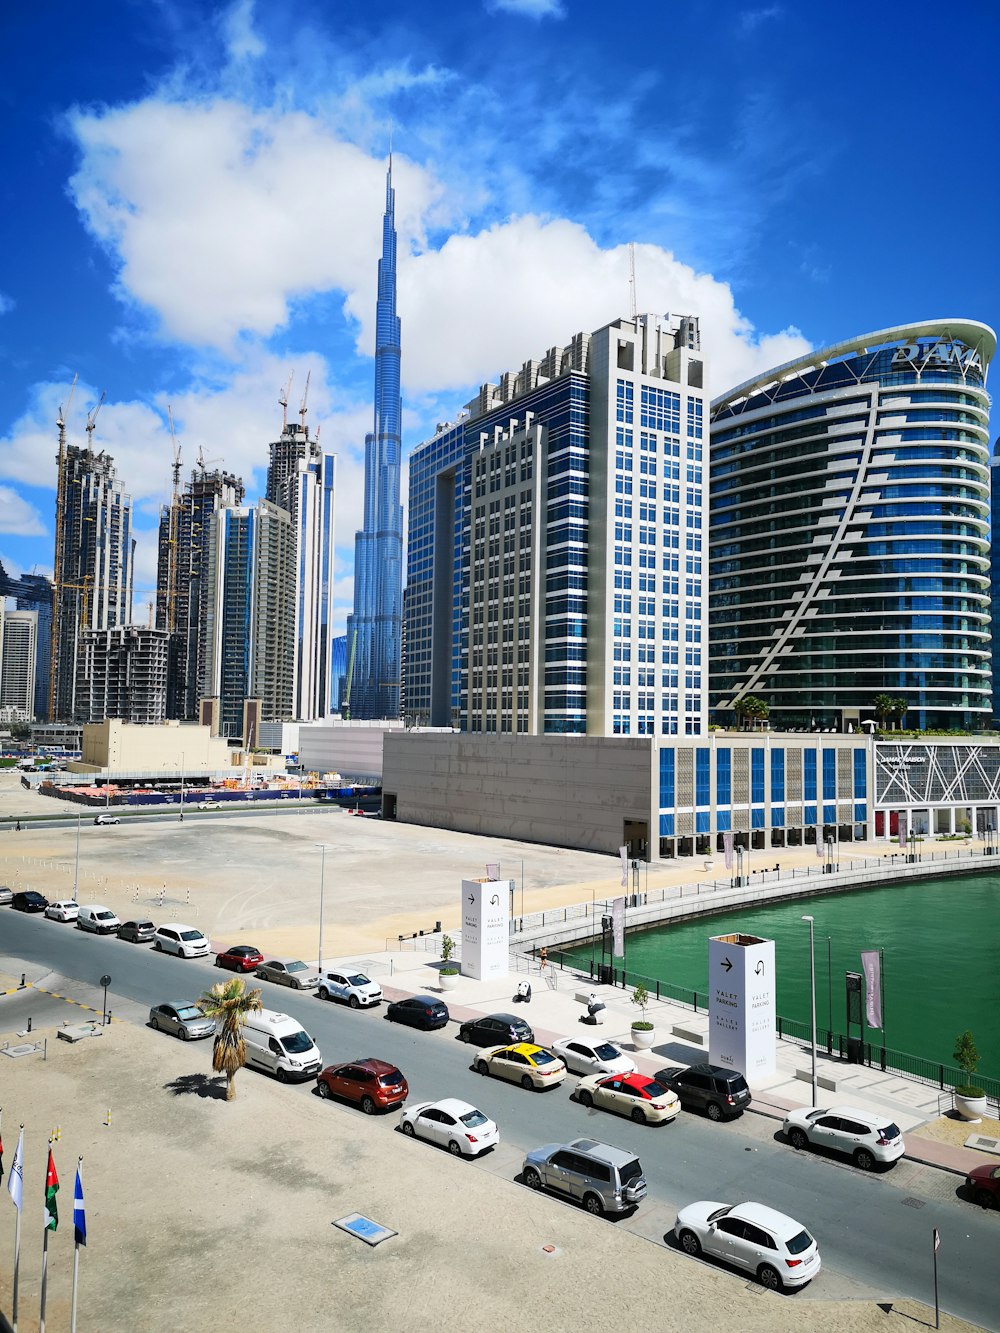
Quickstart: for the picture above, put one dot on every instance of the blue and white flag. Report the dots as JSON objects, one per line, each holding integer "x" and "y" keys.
{"x": 79, "y": 1216}
{"x": 15, "y": 1181}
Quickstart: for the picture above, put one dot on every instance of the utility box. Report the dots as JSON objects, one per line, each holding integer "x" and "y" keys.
{"x": 741, "y": 1018}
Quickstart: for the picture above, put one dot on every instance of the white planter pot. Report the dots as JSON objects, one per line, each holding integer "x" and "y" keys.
{"x": 709, "y": 864}
{"x": 970, "y": 1108}
{"x": 641, "y": 1040}
{"x": 448, "y": 980}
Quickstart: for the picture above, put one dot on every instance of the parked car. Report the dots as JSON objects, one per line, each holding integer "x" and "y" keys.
{"x": 775, "y": 1248}
{"x": 604, "y": 1179}
{"x": 419, "y": 1011}
{"x": 240, "y": 958}
{"x": 371, "y": 1084}
{"x": 97, "y": 919}
{"x": 984, "y": 1182}
{"x": 288, "y": 972}
{"x": 29, "y": 901}
{"x": 184, "y": 941}
{"x": 589, "y": 1057}
{"x": 495, "y": 1029}
{"x": 634, "y": 1095}
{"x": 107, "y": 819}
{"x": 6, "y": 894}
{"x": 208, "y": 805}
{"x": 183, "y": 1019}
{"x": 281, "y": 1046}
{"x": 870, "y": 1138}
{"x": 531, "y": 1066}
{"x": 64, "y": 910}
{"x": 721, "y": 1093}
{"x": 136, "y": 932}
{"x": 458, "y": 1126}
{"x": 353, "y": 988}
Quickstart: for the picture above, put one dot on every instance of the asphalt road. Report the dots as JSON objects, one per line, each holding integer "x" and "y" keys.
{"x": 869, "y": 1231}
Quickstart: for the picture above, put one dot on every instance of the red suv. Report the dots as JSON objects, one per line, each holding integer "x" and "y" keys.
{"x": 371, "y": 1084}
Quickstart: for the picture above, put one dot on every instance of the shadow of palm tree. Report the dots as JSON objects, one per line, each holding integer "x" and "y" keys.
{"x": 198, "y": 1084}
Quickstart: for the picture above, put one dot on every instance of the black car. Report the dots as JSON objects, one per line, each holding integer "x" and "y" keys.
{"x": 495, "y": 1030}
{"x": 419, "y": 1011}
{"x": 721, "y": 1093}
{"x": 29, "y": 901}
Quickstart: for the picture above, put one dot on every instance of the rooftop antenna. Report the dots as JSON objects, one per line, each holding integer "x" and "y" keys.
{"x": 283, "y": 400}
{"x": 631, "y": 280}
{"x": 92, "y": 421}
{"x": 303, "y": 409}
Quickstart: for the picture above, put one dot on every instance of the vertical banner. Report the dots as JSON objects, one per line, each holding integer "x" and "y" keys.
{"x": 904, "y": 832}
{"x": 871, "y": 966}
{"x": 623, "y": 853}
{"x": 727, "y": 843}
{"x": 493, "y": 871}
{"x": 618, "y": 927}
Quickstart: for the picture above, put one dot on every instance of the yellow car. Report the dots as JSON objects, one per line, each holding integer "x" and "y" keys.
{"x": 531, "y": 1066}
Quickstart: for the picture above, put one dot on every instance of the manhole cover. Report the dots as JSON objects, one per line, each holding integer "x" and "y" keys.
{"x": 913, "y": 1203}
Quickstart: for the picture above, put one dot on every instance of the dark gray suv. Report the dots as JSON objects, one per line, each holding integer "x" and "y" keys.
{"x": 721, "y": 1093}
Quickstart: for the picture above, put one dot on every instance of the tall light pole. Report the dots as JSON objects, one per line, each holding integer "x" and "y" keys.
{"x": 76, "y": 872}
{"x": 812, "y": 992}
{"x": 322, "y": 877}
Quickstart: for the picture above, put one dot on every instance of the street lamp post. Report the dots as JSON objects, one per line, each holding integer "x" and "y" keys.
{"x": 812, "y": 995}
{"x": 322, "y": 879}
{"x": 182, "y": 786}
{"x": 76, "y": 872}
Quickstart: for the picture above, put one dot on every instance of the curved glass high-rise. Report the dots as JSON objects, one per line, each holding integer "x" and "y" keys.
{"x": 850, "y": 532}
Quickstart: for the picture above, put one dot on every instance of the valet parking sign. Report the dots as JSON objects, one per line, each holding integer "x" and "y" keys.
{"x": 741, "y": 1004}
{"x": 485, "y": 928}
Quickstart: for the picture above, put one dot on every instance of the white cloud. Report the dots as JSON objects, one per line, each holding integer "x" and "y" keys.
{"x": 242, "y": 43}
{"x": 7, "y": 304}
{"x": 532, "y": 9}
{"x": 18, "y": 518}
{"x": 751, "y": 19}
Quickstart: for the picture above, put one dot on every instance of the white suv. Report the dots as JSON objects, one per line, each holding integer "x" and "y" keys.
{"x": 868, "y": 1137}
{"x": 184, "y": 941}
{"x": 354, "y": 988}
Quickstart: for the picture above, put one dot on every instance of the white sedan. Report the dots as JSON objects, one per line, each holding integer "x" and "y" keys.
{"x": 67, "y": 910}
{"x": 776, "y": 1249}
{"x": 451, "y": 1124}
{"x": 584, "y": 1057}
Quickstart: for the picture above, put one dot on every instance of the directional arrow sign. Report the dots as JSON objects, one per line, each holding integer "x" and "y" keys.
{"x": 471, "y": 898}
{"x": 727, "y": 964}
{"x": 760, "y": 967}
{"x": 495, "y": 900}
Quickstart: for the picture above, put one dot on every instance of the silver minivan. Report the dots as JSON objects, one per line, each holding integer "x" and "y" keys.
{"x": 603, "y": 1178}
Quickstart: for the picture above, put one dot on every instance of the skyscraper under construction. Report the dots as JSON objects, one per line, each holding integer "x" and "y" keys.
{"x": 374, "y": 631}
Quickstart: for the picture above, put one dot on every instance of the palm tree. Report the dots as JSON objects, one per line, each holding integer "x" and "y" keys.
{"x": 229, "y": 1003}
{"x": 899, "y": 707}
{"x": 883, "y": 709}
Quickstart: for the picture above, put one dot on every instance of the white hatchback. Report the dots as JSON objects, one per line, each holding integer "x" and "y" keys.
{"x": 66, "y": 910}
{"x": 775, "y": 1248}
{"x": 184, "y": 941}
{"x": 869, "y": 1138}
{"x": 458, "y": 1126}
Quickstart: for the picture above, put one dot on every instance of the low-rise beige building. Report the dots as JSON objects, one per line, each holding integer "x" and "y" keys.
{"x": 114, "y": 746}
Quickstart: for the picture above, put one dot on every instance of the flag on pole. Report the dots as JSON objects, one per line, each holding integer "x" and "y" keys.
{"x": 15, "y": 1181}
{"x": 79, "y": 1216}
{"x": 493, "y": 871}
{"x": 727, "y": 843}
{"x": 937, "y": 1240}
{"x": 1, "y": 1156}
{"x": 623, "y": 853}
{"x": 871, "y": 965}
{"x": 51, "y": 1190}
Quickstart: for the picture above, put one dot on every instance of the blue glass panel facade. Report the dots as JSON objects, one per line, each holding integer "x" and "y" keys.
{"x": 809, "y": 776}
{"x": 860, "y": 775}
{"x": 703, "y": 776}
{"x": 778, "y": 776}
{"x": 666, "y": 779}
{"x": 829, "y": 775}
{"x": 723, "y": 776}
{"x": 756, "y": 775}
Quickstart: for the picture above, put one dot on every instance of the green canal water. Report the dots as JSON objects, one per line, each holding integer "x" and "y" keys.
{"x": 941, "y": 973}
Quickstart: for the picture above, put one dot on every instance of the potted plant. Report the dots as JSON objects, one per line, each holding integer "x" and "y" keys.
{"x": 449, "y": 973}
{"x": 970, "y": 1100}
{"x": 643, "y": 1033}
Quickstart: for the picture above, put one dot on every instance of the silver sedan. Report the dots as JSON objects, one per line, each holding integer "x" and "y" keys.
{"x": 181, "y": 1018}
{"x": 592, "y": 1057}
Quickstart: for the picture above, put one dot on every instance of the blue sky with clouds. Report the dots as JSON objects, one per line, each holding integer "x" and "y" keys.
{"x": 194, "y": 197}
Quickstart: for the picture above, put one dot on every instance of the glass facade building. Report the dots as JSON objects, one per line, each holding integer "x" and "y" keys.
{"x": 849, "y": 545}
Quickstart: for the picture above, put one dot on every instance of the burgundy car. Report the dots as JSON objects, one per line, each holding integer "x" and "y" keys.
{"x": 240, "y": 958}
{"x": 373, "y": 1085}
{"x": 984, "y": 1182}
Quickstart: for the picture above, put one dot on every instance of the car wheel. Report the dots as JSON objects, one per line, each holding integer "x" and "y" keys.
{"x": 323, "y": 993}
{"x": 864, "y": 1160}
{"x": 368, "y": 1105}
{"x": 585, "y": 1098}
{"x": 798, "y": 1138}
{"x": 218, "y": 962}
{"x": 714, "y": 1111}
{"x": 324, "y": 1091}
{"x": 408, "y": 1129}
{"x": 353, "y": 1002}
{"x": 769, "y": 1277}
{"x": 690, "y": 1243}
{"x": 158, "y": 946}
{"x": 526, "y": 1082}
{"x": 532, "y": 1179}
{"x": 282, "y": 1075}
{"x": 154, "y": 1025}
{"x": 455, "y": 1148}
{"x": 593, "y": 1204}
{"x": 984, "y": 1198}
{"x": 184, "y": 1034}
{"x": 482, "y": 1067}
{"x": 638, "y": 1115}
{"x": 464, "y": 1036}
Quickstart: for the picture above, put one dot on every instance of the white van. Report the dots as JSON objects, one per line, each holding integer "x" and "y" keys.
{"x": 281, "y": 1046}
{"x": 99, "y": 919}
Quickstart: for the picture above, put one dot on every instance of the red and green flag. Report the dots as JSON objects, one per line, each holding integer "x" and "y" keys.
{"x": 51, "y": 1190}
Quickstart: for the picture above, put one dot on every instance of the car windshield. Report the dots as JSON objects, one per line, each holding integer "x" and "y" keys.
{"x": 799, "y": 1243}
{"x": 102, "y": 916}
{"x": 542, "y": 1058}
{"x": 472, "y": 1118}
{"x": 190, "y": 934}
{"x": 188, "y": 1011}
{"x": 890, "y": 1131}
{"x": 296, "y": 967}
{"x": 297, "y": 1042}
{"x": 359, "y": 979}
{"x": 606, "y": 1051}
{"x": 387, "y": 1080}
{"x": 630, "y": 1171}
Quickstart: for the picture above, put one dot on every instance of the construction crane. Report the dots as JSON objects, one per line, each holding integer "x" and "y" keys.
{"x": 204, "y": 462}
{"x": 92, "y": 421}
{"x": 57, "y": 570}
{"x": 346, "y": 709}
{"x": 283, "y": 400}
{"x": 170, "y": 609}
{"x": 303, "y": 409}
{"x": 177, "y": 453}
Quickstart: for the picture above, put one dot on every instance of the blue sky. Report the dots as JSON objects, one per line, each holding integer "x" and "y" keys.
{"x": 194, "y": 197}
